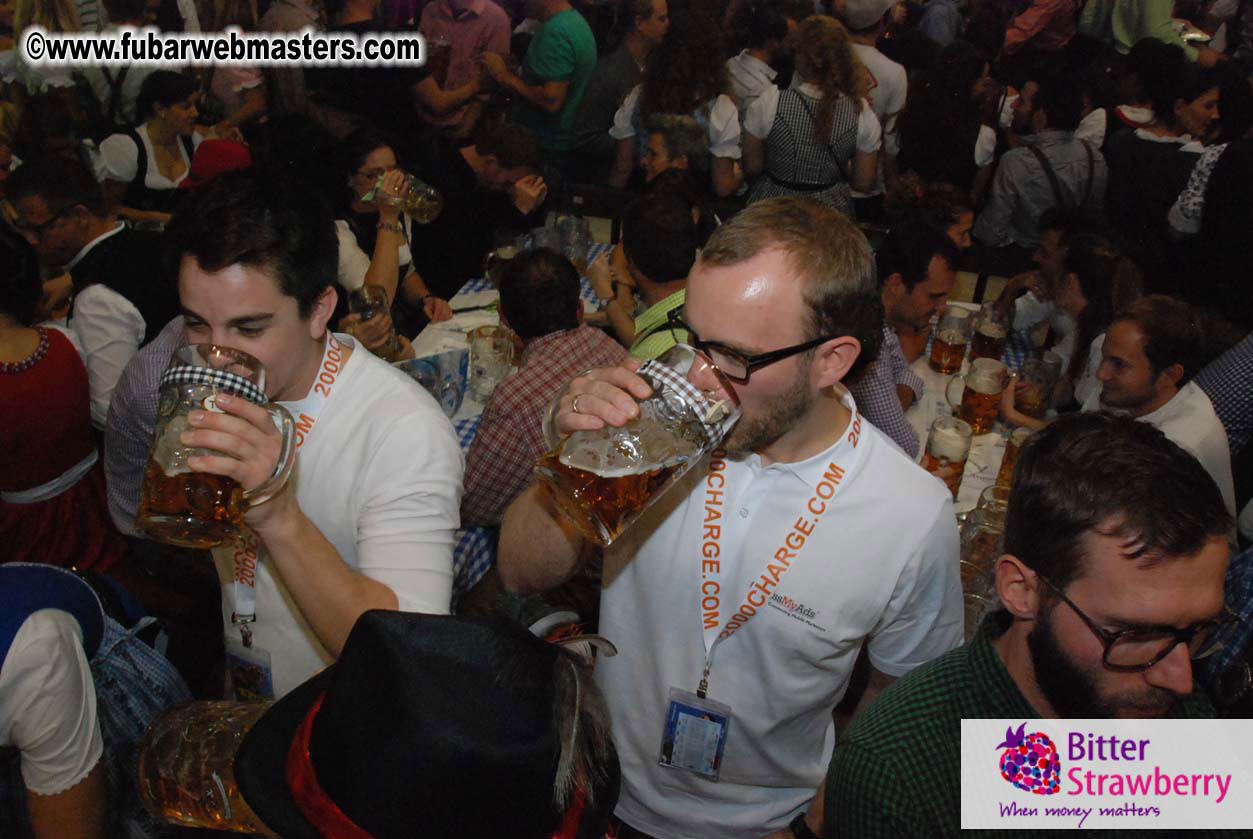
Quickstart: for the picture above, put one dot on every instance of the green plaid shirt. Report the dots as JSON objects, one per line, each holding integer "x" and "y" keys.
{"x": 875, "y": 787}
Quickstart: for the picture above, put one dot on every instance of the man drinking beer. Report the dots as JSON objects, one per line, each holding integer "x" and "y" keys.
{"x": 367, "y": 519}
{"x": 747, "y": 591}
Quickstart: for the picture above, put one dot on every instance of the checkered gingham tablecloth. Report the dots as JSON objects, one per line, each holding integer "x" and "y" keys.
{"x": 475, "y": 550}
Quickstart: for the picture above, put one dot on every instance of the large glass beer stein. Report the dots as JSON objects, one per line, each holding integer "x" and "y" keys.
{"x": 980, "y": 402}
{"x": 603, "y": 480}
{"x": 187, "y": 766}
{"x": 198, "y": 509}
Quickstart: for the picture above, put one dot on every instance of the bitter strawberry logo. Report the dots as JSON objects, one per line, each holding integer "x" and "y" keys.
{"x": 1030, "y": 762}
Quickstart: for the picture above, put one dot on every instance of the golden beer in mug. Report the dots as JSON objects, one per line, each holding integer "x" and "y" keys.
{"x": 1012, "y": 447}
{"x": 948, "y": 445}
{"x": 187, "y": 766}
{"x": 991, "y": 330}
{"x": 177, "y": 505}
{"x": 952, "y": 335}
{"x": 603, "y": 480}
{"x": 981, "y": 398}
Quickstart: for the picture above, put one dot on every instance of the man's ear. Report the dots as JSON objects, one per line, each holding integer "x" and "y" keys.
{"x": 833, "y": 360}
{"x": 1173, "y": 374}
{"x": 894, "y": 288}
{"x": 1017, "y": 586}
{"x": 323, "y": 309}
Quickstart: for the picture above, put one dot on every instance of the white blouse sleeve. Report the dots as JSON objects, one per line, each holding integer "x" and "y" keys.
{"x": 118, "y": 159}
{"x": 985, "y": 146}
{"x": 353, "y": 262}
{"x": 760, "y": 117}
{"x": 48, "y": 703}
{"x": 724, "y": 128}
{"x": 869, "y": 132}
{"x": 624, "y": 119}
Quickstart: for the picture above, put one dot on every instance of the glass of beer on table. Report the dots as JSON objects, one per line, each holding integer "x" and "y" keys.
{"x": 991, "y": 330}
{"x": 1037, "y": 378}
{"x": 952, "y": 334}
{"x": 1013, "y": 445}
{"x": 948, "y": 445}
{"x": 603, "y": 480}
{"x": 981, "y": 397}
{"x": 197, "y": 509}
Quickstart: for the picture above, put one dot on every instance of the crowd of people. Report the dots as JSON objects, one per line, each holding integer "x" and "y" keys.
{"x": 797, "y": 190}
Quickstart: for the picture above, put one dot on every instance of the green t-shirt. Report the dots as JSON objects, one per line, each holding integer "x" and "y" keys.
{"x": 652, "y": 337}
{"x": 877, "y": 786}
{"x": 563, "y": 50}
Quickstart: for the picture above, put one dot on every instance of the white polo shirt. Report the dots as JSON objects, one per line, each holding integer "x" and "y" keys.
{"x": 1188, "y": 419}
{"x": 879, "y": 564}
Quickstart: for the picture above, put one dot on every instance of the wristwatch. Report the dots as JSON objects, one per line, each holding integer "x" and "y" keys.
{"x": 800, "y": 827}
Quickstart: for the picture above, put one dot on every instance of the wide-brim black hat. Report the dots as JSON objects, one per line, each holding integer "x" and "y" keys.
{"x": 428, "y": 725}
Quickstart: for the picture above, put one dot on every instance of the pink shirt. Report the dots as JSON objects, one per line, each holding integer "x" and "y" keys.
{"x": 480, "y": 27}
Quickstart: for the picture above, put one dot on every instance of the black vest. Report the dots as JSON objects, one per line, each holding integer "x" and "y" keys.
{"x": 130, "y": 263}
{"x": 139, "y": 196}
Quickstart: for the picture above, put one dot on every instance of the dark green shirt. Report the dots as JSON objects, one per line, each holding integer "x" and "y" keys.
{"x": 874, "y": 787}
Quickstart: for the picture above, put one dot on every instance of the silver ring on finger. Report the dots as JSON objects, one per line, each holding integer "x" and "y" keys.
{"x": 574, "y": 403}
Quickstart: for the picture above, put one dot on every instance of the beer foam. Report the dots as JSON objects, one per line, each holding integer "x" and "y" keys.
{"x": 993, "y": 330}
{"x": 949, "y": 443}
{"x": 952, "y": 337}
{"x": 637, "y": 449}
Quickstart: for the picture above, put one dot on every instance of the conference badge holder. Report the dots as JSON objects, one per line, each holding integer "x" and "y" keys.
{"x": 695, "y": 734}
{"x": 250, "y": 672}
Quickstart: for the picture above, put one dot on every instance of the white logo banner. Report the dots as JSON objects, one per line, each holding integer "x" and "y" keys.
{"x": 1136, "y": 774}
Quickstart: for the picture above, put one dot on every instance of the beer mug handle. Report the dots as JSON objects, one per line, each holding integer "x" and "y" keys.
{"x": 286, "y": 459}
{"x": 957, "y": 385}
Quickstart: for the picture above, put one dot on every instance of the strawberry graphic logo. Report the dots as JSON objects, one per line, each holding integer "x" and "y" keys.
{"x": 1030, "y": 762}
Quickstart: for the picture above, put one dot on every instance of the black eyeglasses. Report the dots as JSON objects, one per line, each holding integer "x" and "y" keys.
{"x": 1136, "y": 650}
{"x": 734, "y": 364}
{"x": 38, "y": 230}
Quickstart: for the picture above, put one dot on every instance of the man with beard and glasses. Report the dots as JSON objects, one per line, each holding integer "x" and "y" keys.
{"x": 1111, "y": 583}
{"x": 810, "y": 535}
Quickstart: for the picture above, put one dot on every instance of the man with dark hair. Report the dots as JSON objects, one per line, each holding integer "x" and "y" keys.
{"x": 1051, "y": 169}
{"x": 644, "y": 24}
{"x": 769, "y": 28}
{"x": 659, "y": 242}
{"x": 367, "y": 520}
{"x": 122, "y": 297}
{"x": 490, "y": 185}
{"x": 784, "y": 302}
{"x": 1151, "y": 352}
{"x": 1091, "y": 541}
{"x": 917, "y": 271}
{"x": 539, "y": 300}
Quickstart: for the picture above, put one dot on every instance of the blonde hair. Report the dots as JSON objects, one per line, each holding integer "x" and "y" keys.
{"x": 52, "y": 15}
{"x": 824, "y": 56}
{"x": 828, "y": 255}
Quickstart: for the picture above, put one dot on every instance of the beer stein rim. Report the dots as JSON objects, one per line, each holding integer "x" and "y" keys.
{"x": 189, "y": 365}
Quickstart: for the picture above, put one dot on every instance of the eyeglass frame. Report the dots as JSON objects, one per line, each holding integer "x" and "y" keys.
{"x": 1109, "y": 639}
{"x": 751, "y": 362}
{"x": 41, "y": 229}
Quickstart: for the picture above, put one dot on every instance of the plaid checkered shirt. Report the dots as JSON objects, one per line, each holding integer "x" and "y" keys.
{"x": 510, "y": 439}
{"x": 876, "y": 393}
{"x": 1228, "y": 382}
{"x": 896, "y": 773}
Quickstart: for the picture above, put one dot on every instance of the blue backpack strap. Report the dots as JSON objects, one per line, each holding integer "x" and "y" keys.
{"x": 25, "y": 588}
